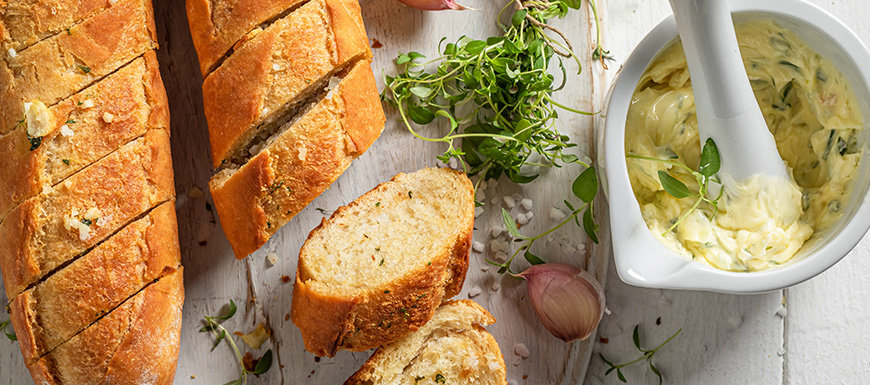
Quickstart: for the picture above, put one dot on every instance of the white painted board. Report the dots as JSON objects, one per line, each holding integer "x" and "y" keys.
{"x": 213, "y": 275}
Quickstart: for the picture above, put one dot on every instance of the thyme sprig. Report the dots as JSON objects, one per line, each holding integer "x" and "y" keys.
{"x": 599, "y": 53}
{"x": 585, "y": 187}
{"x": 496, "y": 94}
{"x": 647, "y": 354}
{"x": 708, "y": 166}
{"x": 213, "y": 324}
{"x": 9, "y": 335}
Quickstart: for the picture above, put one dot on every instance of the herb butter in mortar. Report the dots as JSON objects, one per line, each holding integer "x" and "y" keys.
{"x": 811, "y": 112}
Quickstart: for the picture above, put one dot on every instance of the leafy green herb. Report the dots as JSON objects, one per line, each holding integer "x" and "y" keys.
{"x": 35, "y": 142}
{"x": 439, "y": 379}
{"x": 65, "y": 161}
{"x": 70, "y": 121}
{"x": 322, "y": 211}
{"x": 496, "y": 94}
{"x": 647, "y": 354}
{"x": 708, "y": 166}
{"x": 381, "y": 263}
{"x": 10, "y": 335}
{"x": 584, "y": 187}
{"x": 213, "y": 324}
{"x": 87, "y": 221}
{"x": 598, "y": 53}
{"x": 85, "y": 69}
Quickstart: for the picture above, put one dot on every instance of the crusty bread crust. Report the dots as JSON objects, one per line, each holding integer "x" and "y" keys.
{"x": 65, "y": 63}
{"x": 382, "y": 315}
{"x": 133, "y": 95}
{"x": 218, "y": 25}
{"x": 137, "y": 343}
{"x": 25, "y": 22}
{"x": 277, "y": 68}
{"x": 71, "y": 299}
{"x": 364, "y": 376}
{"x": 300, "y": 163}
{"x": 122, "y": 186}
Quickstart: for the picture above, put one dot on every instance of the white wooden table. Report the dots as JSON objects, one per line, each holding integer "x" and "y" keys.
{"x": 821, "y": 339}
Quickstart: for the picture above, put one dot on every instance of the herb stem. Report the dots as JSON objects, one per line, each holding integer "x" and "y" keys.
{"x": 566, "y": 108}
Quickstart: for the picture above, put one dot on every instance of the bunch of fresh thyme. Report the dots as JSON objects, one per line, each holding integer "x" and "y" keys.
{"x": 647, "y": 354}
{"x": 496, "y": 94}
{"x": 708, "y": 166}
{"x": 213, "y": 324}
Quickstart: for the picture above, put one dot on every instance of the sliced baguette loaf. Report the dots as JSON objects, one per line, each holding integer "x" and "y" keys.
{"x": 452, "y": 348}
{"x": 50, "y": 229}
{"x": 278, "y": 68}
{"x": 63, "y": 64}
{"x": 299, "y": 162}
{"x": 25, "y": 22}
{"x": 136, "y": 343}
{"x": 218, "y": 25}
{"x": 380, "y": 266}
{"x": 71, "y": 299}
{"x": 134, "y": 99}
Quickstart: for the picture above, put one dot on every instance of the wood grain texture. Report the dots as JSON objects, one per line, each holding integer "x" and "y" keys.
{"x": 213, "y": 276}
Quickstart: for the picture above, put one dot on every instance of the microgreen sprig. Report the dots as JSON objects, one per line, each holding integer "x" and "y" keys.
{"x": 708, "y": 166}
{"x": 213, "y": 324}
{"x": 599, "y": 53}
{"x": 585, "y": 187}
{"x": 647, "y": 354}
{"x": 496, "y": 94}
{"x": 10, "y": 335}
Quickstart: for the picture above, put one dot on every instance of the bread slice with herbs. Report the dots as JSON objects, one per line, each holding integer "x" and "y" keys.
{"x": 50, "y": 229}
{"x": 299, "y": 162}
{"x": 61, "y": 65}
{"x": 216, "y": 26}
{"x": 378, "y": 268}
{"x": 63, "y": 305}
{"x": 82, "y": 129}
{"x": 452, "y": 348}
{"x": 136, "y": 343}
{"x": 276, "y": 70}
{"x": 26, "y": 22}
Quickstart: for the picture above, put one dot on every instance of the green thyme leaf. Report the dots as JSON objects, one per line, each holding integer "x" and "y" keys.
{"x": 533, "y": 259}
{"x": 709, "y": 164}
{"x": 673, "y": 186}
{"x": 85, "y": 69}
{"x": 264, "y": 363}
{"x": 586, "y": 185}
{"x": 509, "y": 224}
{"x": 589, "y": 225}
{"x": 230, "y": 313}
{"x": 635, "y": 337}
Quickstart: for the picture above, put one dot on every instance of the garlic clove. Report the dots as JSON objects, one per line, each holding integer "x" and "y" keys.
{"x": 434, "y": 5}
{"x": 567, "y": 299}
{"x": 37, "y": 119}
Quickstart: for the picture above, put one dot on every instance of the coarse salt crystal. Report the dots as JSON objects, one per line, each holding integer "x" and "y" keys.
{"x": 479, "y": 195}
{"x": 782, "y": 312}
{"x": 501, "y": 256}
{"x": 482, "y": 185}
{"x": 303, "y": 153}
{"x": 474, "y": 292}
{"x": 521, "y": 350}
{"x": 108, "y": 117}
{"x": 496, "y": 231}
{"x": 477, "y": 246}
{"x": 508, "y": 202}
{"x": 272, "y": 258}
{"x": 527, "y": 203}
{"x": 12, "y": 53}
{"x": 87, "y": 104}
{"x": 453, "y": 163}
{"x": 92, "y": 213}
{"x": 66, "y": 131}
{"x": 477, "y": 211}
{"x": 517, "y": 197}
{"x": 276, "y": 67}
{"x": 484, "y": 267}
{"x": 493, "y": 365}
{"x": 522, "y": 219}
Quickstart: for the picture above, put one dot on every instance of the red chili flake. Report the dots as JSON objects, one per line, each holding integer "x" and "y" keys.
{"x": 376, "y": 44}
{"x": 285, "y": 279}
{"x": 203, "y": 243}
{"x": 286, "y": 317}
{"x": 603, "y": 340}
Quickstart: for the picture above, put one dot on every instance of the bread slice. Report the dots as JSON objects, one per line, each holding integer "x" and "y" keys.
{"x": 50, "y": 229}
{"x": 137, "y": 343}
{"x": 63, "y": 64}
{"x": 217, "y": 25}
{"x": 276, "y": 69}
{"x": 25, "y": 22}
{"x": 68, "y": 301}
{"x": 452, "y": 348}
{"x": 299, "y": 162}
{"x": 79, "y": 133}
{"x": 380, "y": 266}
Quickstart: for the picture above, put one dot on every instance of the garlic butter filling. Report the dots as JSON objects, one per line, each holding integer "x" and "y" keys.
{"x": 759, "y": 223}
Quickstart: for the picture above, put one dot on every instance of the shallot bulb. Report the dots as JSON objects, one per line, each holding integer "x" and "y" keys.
{"x": 567, "y": 299}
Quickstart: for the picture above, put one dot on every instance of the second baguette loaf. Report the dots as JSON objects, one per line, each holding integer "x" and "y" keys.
{"x": 380, "y": 266}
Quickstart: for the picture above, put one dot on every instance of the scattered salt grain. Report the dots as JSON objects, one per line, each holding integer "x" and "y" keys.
{"x": 527, "y": 203}
{"x": 508, "y": 202}
{"x": 453, "y": 163}
{"x": 517, "y": 197}
{"x": 66, "y": 131}
{"x": 108, "y": 117}
{"x": 12, "y": 53}
{"x": 780, "y": 352}
{"x": 474, "y": 292}
{"x": 477, "y": 246}
{"x": 522, "y": 218}
{"x": 496, "y": 231}
{"x": 521, "y": 350}
{"x": 272, "y": 258}
{"x": 484, "y": 267}
{"x": 782, "y": 312}
{"x": 478, "y": 211}
{"x": 87, "y": 104}
{"x": 496, "y": 285}
{"x": 501, "y": 256}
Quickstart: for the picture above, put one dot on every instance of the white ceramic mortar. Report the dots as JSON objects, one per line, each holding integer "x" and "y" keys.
{"x": 641, "y": 260}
